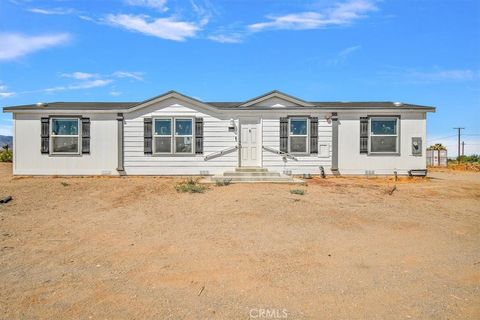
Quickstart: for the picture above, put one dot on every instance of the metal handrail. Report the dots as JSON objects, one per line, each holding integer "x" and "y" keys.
{"x": 285, "y": 154}
{"x": 220, "y": 153}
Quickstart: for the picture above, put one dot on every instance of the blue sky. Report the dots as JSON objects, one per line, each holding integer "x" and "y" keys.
{"x": 424, "y": 52}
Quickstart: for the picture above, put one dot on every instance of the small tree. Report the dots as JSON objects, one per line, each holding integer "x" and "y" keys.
{"x": 6, "y": 147}
{"x": 437, "y": 146}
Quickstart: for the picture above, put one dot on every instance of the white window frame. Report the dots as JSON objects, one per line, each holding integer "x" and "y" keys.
{"x": 307, "y": 136}
{"x": 78, "y": 135}
{"x": 172, "y": 124}
{"x": 397, "y": 134}
{"x": 183, "y": 136}
{"x": 173, "y": 135}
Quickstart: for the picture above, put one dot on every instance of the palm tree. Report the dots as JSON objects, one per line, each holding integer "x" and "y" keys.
{"x": 437, "y": 146}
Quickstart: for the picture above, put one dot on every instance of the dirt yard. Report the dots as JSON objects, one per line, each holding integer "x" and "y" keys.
{"x": 134, "y": 248}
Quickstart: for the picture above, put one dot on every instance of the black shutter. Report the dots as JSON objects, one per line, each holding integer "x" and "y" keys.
{"x": 363, "y": 135}
{"x": 314, "y": 135}
{"x": 45, "y": 135}
{"x": 198, "y": 135}
{"x": 284, "y": 134}
{"x": 147, "y": 135}
{"x": 85, "y": 135}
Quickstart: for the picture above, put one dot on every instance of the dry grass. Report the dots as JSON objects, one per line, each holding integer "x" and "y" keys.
{"x": 135, "y": 248}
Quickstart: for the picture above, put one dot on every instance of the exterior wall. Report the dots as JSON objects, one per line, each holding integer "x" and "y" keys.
{"x": 28, "y": 160}
{"x": 102, "y": 159}
{"x": 216, "y": 137}
{"x": 350, "y": 161}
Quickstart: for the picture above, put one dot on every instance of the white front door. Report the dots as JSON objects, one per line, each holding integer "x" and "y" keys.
{"x": 251, "y": 145}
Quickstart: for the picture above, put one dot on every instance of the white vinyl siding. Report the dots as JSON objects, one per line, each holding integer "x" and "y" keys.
{"x": 216, "y": 137}
{"x": 308, "y": 163}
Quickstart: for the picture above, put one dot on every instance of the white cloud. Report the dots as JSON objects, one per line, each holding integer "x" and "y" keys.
{"x": 55, "y": 11}
{"x": 86, "y": 18}
{"x": 80, "y": 75}
{"x": 84, "y": 80}
{"x": 341, "y": 14}
{"x": 227, "y": 38}
{"x": 83, "y": 85}
{"x": 165, "y": 28}
{"x": 15, "y": 45}
{"x": 125, "y": 74}
{"x": 439, "y": 75}
{"x": 343, "y": 55}
{"x": 160, "y": 5}
{"x": 4, "y": 92}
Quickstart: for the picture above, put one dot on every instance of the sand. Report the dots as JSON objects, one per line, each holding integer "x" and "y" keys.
{"x": 134, "y": 248}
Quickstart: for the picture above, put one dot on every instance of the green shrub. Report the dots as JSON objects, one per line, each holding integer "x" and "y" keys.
{"x": 223, "y": 182}
{"x": 297, "y": 191}
{"x": 190, "y": 186}
{"x": 6, "y": 156}
{"x": 472, "y": 158}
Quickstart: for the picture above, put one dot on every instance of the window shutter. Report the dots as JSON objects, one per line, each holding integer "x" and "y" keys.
{"x": 147, "y": 135}
{"x": 314, "y": 135}
{"x": 86, "y": 135}
{"x": 198, "y": 135}
{"x": 284, "y": 134}
{"x": 363, "y": 135}
{"x": 45, "y": 135}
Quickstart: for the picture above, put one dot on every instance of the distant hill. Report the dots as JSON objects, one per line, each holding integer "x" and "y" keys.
{"x": 6, "y": 140}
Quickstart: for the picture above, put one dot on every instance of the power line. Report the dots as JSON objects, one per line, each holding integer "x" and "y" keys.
{"x": 437, "y": 139}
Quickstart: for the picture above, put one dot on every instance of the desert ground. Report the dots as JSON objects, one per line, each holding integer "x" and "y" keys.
{"x": 134, "y": 248}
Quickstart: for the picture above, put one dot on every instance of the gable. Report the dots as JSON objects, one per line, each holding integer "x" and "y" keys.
{"x": 276, "y": 99}
{"x": 275, "y": 102}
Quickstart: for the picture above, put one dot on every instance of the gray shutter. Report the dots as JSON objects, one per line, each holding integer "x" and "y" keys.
{"x": 147, "y": 135}
{"x": 45, "y": 135}
{"x": 198, "y": 135}
{"x": 314, "y": 135}
{"x": 363, "y": 135}
{"x": 85, "y": 135}
{"x": 284, "y": 134}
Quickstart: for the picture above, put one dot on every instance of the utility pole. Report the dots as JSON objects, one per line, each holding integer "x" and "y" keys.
{"x": 463, "y": 148}
{"x": 459, "y": 134}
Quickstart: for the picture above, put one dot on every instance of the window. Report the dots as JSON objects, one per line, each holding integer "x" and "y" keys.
{"x": 163, "y": 135}
{"x": 298, "y": 135}
{"x": 177, "y": 141}
{"x": 65, "y": 136}
{"x": 183, "y": 135}
{"x": 384, "y": 135}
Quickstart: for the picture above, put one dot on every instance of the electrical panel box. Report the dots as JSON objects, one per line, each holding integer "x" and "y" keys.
{"x": 417, "y": 146}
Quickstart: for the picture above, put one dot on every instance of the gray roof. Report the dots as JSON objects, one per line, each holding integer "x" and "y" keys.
{"x": 125, "y": 106}
{"x": 76, "y": 106}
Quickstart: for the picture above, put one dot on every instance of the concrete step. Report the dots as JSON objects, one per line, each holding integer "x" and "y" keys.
{"x": 250, "y": 173}
{"x": 251, "y": 169}
{"x": 253, "y": 179}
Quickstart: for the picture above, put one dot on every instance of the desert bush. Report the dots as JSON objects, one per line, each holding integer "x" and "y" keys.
{"x": 191, "y": 186}
{"x": 6, "y": 156}
{"x": 223, "y": 182}
{"x": 470, "y": 159}
{"x": 297, "y": 191}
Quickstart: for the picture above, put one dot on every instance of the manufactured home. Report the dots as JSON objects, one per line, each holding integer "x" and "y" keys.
{"x": 173, "y": 134}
